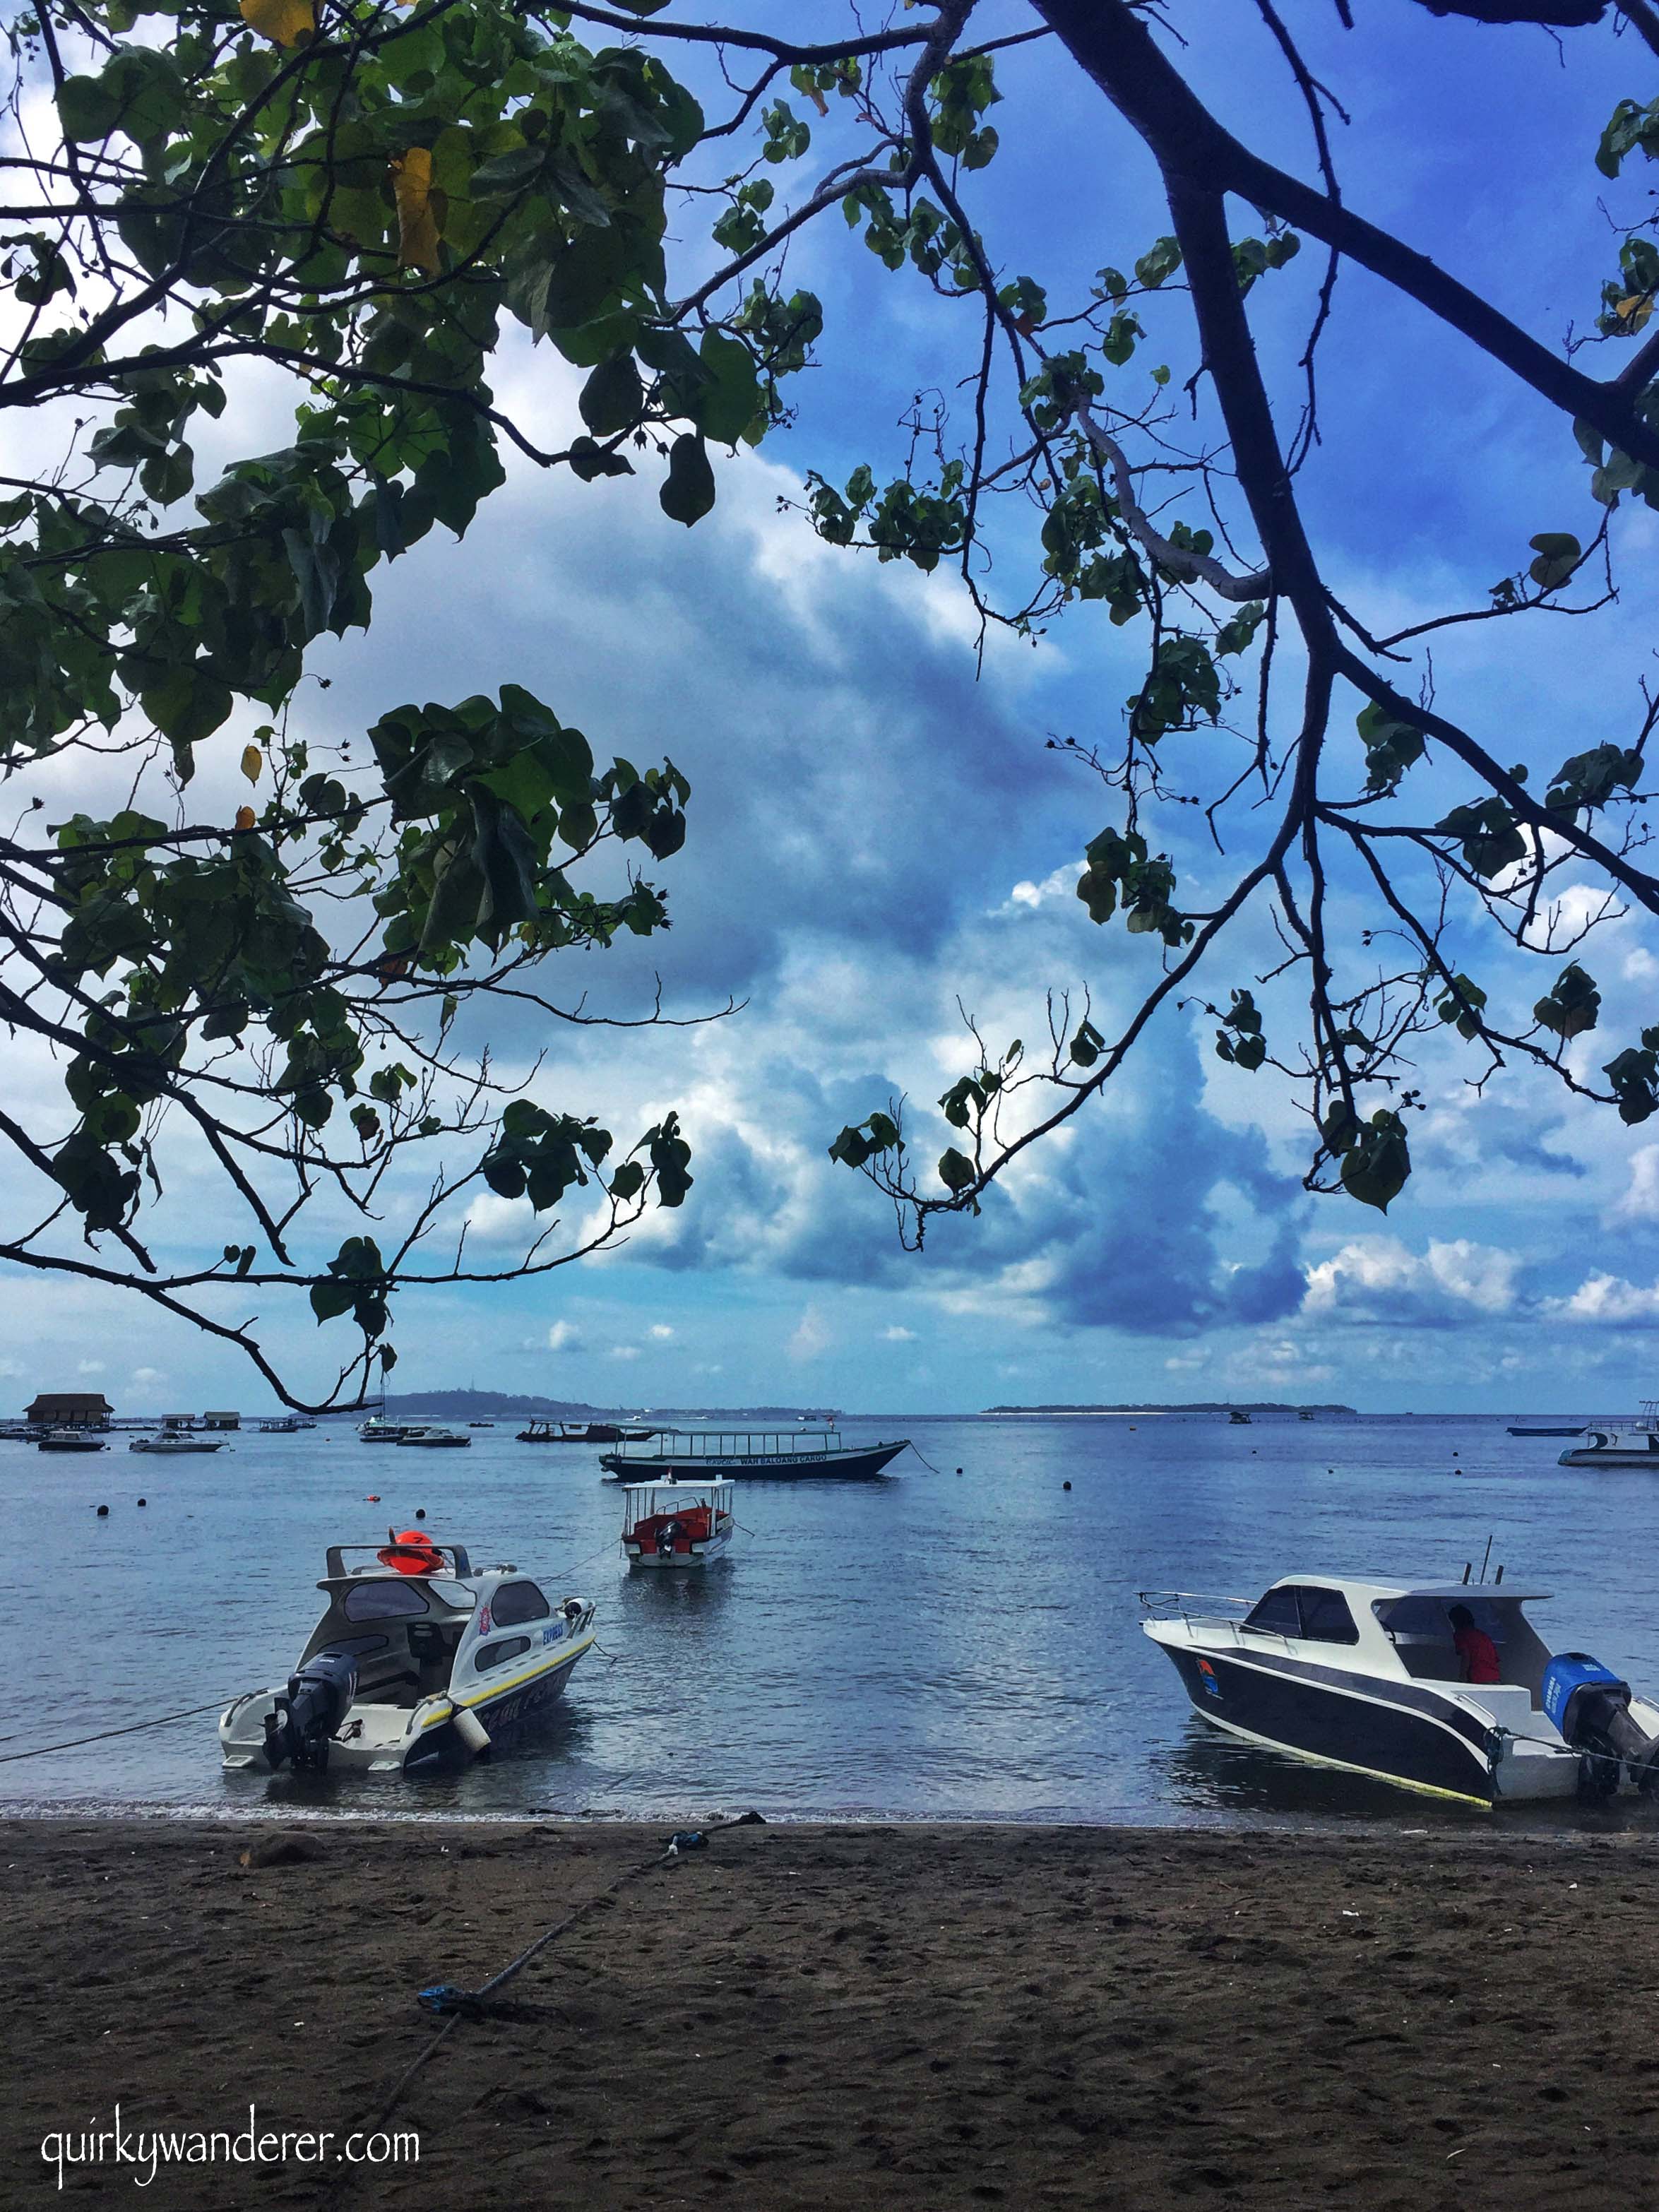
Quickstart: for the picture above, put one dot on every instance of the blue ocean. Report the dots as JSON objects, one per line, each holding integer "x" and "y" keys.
{"x": 959, "y": 1640}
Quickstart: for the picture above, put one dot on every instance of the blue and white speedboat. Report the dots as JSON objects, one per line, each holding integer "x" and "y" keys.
{"x": 1367, "y": 1676}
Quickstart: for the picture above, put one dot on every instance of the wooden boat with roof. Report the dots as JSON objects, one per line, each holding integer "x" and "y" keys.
{"x": 676, "y": 1523}
{"x": 755, "y": 1455}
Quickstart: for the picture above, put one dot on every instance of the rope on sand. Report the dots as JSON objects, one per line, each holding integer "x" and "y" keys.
{"x": 477, "y": 2004}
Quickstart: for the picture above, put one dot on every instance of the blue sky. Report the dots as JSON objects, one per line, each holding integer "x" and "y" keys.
{"x": 876, "y": 831}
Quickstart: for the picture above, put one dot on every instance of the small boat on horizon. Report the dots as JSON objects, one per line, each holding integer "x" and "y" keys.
{"x": 1519, "y": 1430}
{"x": 377, "y": 1430}
{"x": 417, "y": 1651}
{"x": 176, "y": 1442}
{"x": 284, "y": 1424}
{"x": 757, "y": 1455}
{"x": 582, "y": 1432}
{"x": 1368, "y": 1677}
{"x": 435, "y": 1435}
{"x": 673, "y": 1523}
{"x": 1239, "y": 1420}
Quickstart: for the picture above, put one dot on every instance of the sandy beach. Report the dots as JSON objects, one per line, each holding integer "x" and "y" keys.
{"x": 810, "y": 2017}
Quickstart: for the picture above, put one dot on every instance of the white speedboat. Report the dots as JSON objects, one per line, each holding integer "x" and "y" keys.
{"x": 1366, "y": 1676}
{"x": 676, "y": 1522}
{"x": 377, "y": 1430}
{"x": 435, "y": 1436}
{"x": 417, "y": 1652}
{"x": 176, "y": 1442}
{"x": 1636, "y": 1446}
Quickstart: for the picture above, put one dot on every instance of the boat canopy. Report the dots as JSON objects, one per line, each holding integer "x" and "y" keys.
{"x": 1493, "y": 1593}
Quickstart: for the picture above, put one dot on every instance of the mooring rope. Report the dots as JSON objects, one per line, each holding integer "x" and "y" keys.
{"x": 191, "y": 1712}
{"x": 462, "y": 2004}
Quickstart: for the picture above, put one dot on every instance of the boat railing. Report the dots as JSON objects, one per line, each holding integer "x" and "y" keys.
{"x": 1189, "y": 1604}
{"x": 336, "y": 1556}
{"x": 722, "y": 1443}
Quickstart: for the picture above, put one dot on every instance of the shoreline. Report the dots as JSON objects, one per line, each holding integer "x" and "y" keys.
{"x": 804, "y": 2014}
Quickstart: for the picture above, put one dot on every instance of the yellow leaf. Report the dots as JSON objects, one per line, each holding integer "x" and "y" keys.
{"x": 283, "y": 21}
{"x": 252, "y": 760}
{"x": 1635, "y": 309}
{"x": 244, "y": 818}
{"x": 417, "y": 217}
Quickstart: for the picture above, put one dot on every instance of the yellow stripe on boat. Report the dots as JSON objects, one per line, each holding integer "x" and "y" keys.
{"x": 565, "y": 1658}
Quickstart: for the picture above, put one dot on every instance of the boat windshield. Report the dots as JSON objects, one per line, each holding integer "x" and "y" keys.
{"x": 1306, "y": 1610}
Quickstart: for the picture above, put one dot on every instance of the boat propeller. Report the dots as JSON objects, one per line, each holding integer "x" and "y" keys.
{"x": 318, "y": 1697}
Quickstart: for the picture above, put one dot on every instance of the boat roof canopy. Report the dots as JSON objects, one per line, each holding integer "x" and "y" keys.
{"x": 1490, "y": 1593}
{"x": 1368, "y": 1593}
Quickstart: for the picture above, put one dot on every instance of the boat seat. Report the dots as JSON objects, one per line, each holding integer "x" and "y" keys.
{"x": 1509, "y": 1703}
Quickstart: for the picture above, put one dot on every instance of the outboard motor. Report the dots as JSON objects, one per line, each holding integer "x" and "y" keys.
{"x": 318, "y": 1697}
{"x": 1590, "y": 1706}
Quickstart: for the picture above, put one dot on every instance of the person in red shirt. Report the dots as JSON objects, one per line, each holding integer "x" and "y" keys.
{"x": 1477, "y": 1653}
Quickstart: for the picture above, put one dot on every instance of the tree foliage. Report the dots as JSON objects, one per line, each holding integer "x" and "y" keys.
{"x": 372, "y": 199}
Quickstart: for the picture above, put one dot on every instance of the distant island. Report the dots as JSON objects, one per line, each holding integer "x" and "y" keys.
{"x": 504, "y": 1406}
{"x": 1188, "y": 1406}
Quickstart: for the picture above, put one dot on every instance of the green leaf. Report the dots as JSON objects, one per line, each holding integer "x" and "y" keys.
{"x": 729, "y": 399}
{"x": 1377, "y": 1165}
{"x": 331, "y": 1299}
{"x": 956, "y": 1171}
{"x": 613, "y": 397}
{"x": 688, "y": 492}
{"x": 88, "y": 107}
{"x": 1573, "y": 1006}
{"x": 627, "y": 1180}
{"x": 1558, "y": 555}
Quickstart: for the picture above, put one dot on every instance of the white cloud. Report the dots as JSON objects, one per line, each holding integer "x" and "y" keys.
{"x": 661, "y": 1331}
{"x": 89, "y": 1367}
{"x": 1640, "y": 1201}
{"x": 11, "y": 1369}
{"x": 1609, "y": 1301}
{"x": 144, "y": 1375}
{"x": 897, "y": 1335}
{"x": 810, "y": 1337}
{"x": 492, "y": 1220}
{"x": 564, "y": 1336}
{"x": 624, "y": 1352}
{"x": 1374, "y": 1271}
{"x": 1639, "y": 966}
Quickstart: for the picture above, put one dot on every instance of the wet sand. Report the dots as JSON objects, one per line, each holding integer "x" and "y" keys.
{"x": 862, "y": 2017}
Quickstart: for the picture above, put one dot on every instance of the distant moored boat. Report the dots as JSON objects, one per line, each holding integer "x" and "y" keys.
{"x": 771, "y": 1454}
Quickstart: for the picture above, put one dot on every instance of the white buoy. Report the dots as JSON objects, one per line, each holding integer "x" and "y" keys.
{"x": 472, "y": 1730}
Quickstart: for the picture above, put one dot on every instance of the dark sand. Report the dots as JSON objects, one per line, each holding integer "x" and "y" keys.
{"x": 860, "y": 2017}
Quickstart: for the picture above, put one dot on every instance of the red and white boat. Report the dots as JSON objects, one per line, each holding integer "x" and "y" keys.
{"x": 676, "y": 1523}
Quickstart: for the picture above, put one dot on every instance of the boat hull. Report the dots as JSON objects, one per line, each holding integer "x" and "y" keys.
{"x": 1419, "y": 1750}
{"x": 391, "y": 1738}
{"x": 857, "y": 1464}
{"x": 699, "y": 1555}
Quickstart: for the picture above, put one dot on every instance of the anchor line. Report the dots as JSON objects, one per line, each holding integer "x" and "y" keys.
{"x": 39, "y": 1751}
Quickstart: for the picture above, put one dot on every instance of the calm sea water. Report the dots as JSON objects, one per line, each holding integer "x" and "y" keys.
{"x": 941, "y": 1644}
